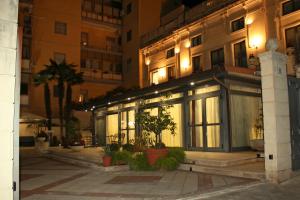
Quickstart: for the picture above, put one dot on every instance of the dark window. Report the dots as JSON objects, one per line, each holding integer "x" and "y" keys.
{"x": 240, "y": 54}
{"x": 55, "y": 91}
{"x": 84, "y": 39}
{"x": 59, "y": 57}
{"x": 128, "y": 64}
{"x": 27, "y": 25}
{"x": 292, "y": 36}
{"x": 238, "y": 24}
{"x": 61, "y": 28}
{"x": 290, "y": 6}
{"x": 128, "y": 8}
{"x": 196, "y": 61}
{"x": 171, "y": 73}
{"x": 217, "y": 58}
{"x": 24, "y": 88}
{"x": 26, "y": 48}
{"x": 170, "y": 53}
{"x": 129, "y": 35}
{"x": 196, "y": 40}
{"x": 119, "y": 68}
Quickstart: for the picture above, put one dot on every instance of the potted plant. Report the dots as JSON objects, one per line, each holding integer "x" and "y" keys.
{"x": 107, "y": 158}
{"x": 42, "y": 138}
{"x": 156, "y": 124}
{"x": 73, "y": 135}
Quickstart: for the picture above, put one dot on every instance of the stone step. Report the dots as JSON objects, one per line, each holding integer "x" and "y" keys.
{"x": 260, "y": 175}
{"x": 86, "y": 163}
{"x": 221, "y": 163}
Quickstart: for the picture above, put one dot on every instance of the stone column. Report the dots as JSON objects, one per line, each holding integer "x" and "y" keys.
{"x": 8, "y": 118}
{"x": 276, "y": 114}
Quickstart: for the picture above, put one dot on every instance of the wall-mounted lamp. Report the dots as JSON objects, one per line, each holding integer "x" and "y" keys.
{"x": 177, "y": 49}
{"x": 249, "y": 21}
{"x": 255, "y": 41}
{"x": 187, "y": 44}
{"x": 185, "y": 63}
{"x": 147, "y": 61}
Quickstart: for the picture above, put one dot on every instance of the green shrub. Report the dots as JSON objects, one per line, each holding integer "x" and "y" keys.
{"x": 167, "y": 163}
{"x": 114, "y": 147}
{"x": 177, "y": 153}
{"x": 140, "y": 163}
{"x": 128, "y": 147}
{"x": 121, "y": 157}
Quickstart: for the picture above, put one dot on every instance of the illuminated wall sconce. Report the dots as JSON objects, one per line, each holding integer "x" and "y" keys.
{"x": 249, "y": 21}
{"x": 162, "y": 72}
{"x": 187, "y": 44}
{"x": 177, "y": 49}
{"x": 185, "y": 64}
{"x": 256, "y": 41}
{"x": 147, "y": 61}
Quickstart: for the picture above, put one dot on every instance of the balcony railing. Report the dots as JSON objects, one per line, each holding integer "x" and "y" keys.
{"x": 108, "y": 49}
{"x": 187, "y": 16}
{"x": 100, "y": 75}
{"x": 101, "y": 19}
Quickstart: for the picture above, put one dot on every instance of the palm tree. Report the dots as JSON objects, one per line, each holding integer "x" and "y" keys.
{"x": 60, "y": 73}
{"x": 43, "y": 77}
{"x": 72, "y": 79}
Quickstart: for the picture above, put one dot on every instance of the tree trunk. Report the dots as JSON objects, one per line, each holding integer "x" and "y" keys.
{"x": 61, "y": 89}
{"x": 68, "y": 109}
{"x": 47, "y": 96}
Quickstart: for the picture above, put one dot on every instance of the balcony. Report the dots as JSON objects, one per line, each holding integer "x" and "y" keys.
{"x": 98, "y": 18}
{"x": 101, "y": 76}
{"x": 186, "y": 16}
{"x": 108, "y": 49}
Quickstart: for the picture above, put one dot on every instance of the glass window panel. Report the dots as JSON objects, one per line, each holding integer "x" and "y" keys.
{"x": 238, "y": 24}
{"x": 112, "y": 127}
{"x": 129, "y": 105}
{"x": 174, "y": 140}
{"x": 240, "y": 54}
{"x": 155, "y": 78}
{"x": 212, "y": 110}
{"x": 123, "y": 120}
{"x": 213, "y": 136}
{"x": 196, "y": 134}
{"x": 207, "y": 89}
{"x": 196, "y": 112}
{"x": 131, "y": 136}
{"x": 131, "y": 119}
{"x": 244, "y": 114}
{"x": 112, "y": 108}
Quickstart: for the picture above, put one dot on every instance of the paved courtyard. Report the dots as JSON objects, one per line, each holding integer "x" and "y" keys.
{"x": 46, "y": 179}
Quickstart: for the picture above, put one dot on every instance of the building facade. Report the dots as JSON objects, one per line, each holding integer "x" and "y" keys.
{"x": 206, "y": 57}
{"x": 86, "y": 33}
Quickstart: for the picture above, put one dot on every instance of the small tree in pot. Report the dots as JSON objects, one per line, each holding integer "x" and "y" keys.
{"x": 156, "y": 124}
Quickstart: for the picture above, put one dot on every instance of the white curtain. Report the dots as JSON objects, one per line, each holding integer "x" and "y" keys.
{"x": 112, "y": 126}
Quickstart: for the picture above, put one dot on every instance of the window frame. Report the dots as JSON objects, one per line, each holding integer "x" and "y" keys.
{"x": 240, "y": 57}
{"x": 129, "y": 35}
{"x": 195, "y": 39}
{"x": 172, "y": 54}
{"x": 211, "y": 57}
{"x": 128, "y": 8}
{"x": 294, "y": 7}
{"x": 57, "y": 28}
{"x": 237, "y": 20}
{"x": 200, "y": 66}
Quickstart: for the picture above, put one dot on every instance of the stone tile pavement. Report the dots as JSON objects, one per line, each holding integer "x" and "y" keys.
{"x": 44, "y": 179}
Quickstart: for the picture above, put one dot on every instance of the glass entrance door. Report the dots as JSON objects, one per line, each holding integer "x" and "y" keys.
{"x": 205, "y": 123}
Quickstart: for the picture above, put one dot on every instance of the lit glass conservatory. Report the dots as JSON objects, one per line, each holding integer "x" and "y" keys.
{"x": 212, "y": 112}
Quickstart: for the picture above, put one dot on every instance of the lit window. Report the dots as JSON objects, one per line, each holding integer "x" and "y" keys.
{"x": 61, "y": 28}
{"x": 217, "y": 58}
{"x": 84, "y": 39}
{"x": 155, "y": 78}
{"x": 240, "y": 54}
{"x": 170, "y": 53}
{"x": 290, "y": 6}
{"x": 196, "y": 40}
{"x": 238, "y": 24}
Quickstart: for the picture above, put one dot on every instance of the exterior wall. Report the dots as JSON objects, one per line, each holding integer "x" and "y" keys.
{"x": 145, "y": 16}
{"x": 45, "y": 42}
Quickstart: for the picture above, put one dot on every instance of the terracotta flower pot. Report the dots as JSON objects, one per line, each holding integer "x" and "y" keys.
{"x": 154, "y": 154}
{"x": 106, "y": 161}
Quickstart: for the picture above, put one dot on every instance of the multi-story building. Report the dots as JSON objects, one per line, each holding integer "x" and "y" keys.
{"x": 206, "y": 55}
{"x": 86, "y": 33}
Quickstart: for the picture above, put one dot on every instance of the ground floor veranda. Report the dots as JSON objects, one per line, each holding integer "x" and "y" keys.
{"x": 213, "y": 111}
